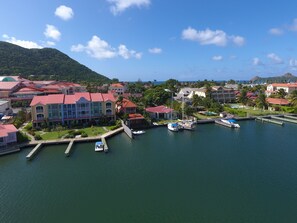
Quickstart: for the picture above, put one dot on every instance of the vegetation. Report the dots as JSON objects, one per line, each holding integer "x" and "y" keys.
{"x": 20, "y": 119}
{"x": 22, "y": 137}
{"x": 44, "y": 64}
{"x": 288, "y": 77}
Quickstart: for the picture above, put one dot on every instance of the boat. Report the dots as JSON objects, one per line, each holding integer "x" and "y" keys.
{"x": 230, "y": 122}
{"x": 174, "y": 127}
{"x": 99, "y": 146}
{"x": 187, "y": 125}
{"x": 138, "y": 132}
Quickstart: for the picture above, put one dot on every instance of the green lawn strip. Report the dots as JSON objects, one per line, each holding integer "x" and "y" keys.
{"x": 94, "y": 131}
{"x": 52, "y": 135}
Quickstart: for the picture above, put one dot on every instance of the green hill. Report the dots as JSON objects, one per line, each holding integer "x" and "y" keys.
{"x": 43, "y": 64}
{"x": 286, "y": 78}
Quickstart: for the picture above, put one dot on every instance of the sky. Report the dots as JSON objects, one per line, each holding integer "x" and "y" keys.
{"x": 188, "y": 40}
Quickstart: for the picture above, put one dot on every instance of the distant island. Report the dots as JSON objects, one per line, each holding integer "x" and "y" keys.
{"x": 286, "y": 78}
{"x": 44, "y": 64}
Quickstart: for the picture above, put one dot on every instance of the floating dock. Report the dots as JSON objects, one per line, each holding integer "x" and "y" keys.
{"x": 284, "y": 119}
{"x": 270, "y": 121}
{"x": 69, "y": 147}
{"x": 290, "y": 117}
{"x": 34, "y": 151}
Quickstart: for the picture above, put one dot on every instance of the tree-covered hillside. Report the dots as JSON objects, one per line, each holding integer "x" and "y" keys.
{"x": 43, "y": 64}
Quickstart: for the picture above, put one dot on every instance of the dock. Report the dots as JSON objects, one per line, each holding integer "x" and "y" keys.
{"x": 284, "y": 119}
{"x": 69, "y": 147}
{"x": 270, "y": 121}
{"x": 34, "y": 151}
{"x": 290, "y": 117}
{"x": 105, "y": 144}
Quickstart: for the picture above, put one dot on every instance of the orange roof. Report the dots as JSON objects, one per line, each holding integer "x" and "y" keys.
{"x": 5, "y": 129}
{"x": 8, "y": 85}
{"x": 96, "y": 97}
{"x": 284, "y": 84}
{"x": 48, "y": 99}
{"x": 108, "y": 97}
{"x": 135, "y": 116}
{"x": 117, "y": 85}
{"x": 128, "y": 104}
{"x": 277, "y": 101}
{"x": 72, "y": 99}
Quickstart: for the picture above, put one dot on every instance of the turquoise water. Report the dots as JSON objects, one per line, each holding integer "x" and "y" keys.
{"x": 214, "y": 174}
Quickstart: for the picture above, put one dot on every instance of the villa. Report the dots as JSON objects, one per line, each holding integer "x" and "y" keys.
{"x": 161, "y": 112}
{"x": 77, "y": 108}
{"x": 287, "y": 87}
{"x": 117, "y": 88}
{"x": 7, "y": 134}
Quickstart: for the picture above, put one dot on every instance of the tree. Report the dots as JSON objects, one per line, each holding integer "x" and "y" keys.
{"x": 243, "y": 97}
{"x": 197, "y": 101}
{"x": 261, "y": 101}
{"x": 281, "y": 93}
{"x": 293, "y": 98}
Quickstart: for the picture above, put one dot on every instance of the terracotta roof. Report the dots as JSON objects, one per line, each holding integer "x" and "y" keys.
{"x": 48, "y": 99}
{"x": 5, "y": 129}
{"x": 284, "y": 84}
{"x": 96, "y": 97}
{"x": 117, "y": 85}
{"x": 108, "y": 97}
{"x": 277, "y": 101}
{"x": 8, "y": 85}
{"x": 28, "y": 90}
{"x": 135, "y": 116}
{"x": 159, "y": 109}
{"x": 128, "y": 104}
{"x": 72, "y": 99}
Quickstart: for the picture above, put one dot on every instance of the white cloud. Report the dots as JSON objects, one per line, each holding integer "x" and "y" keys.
{"x": 118, "y": 6}
{"x": 208, "y": 37}
{"x": 276, "y": 31}
{"x": 52, "y": 32}
{"x": 22, "y": 43}
{"x": 293, "y": 26}
{"x": 100, "y": 49}
{"x": 257, "y": 62}
{"x": 155, "y": 50}
{"x": 276, "y": 59}
{"x": 64, "y": 12}
{"x": 217, "y": 58}
{"x": 293, "y": 62}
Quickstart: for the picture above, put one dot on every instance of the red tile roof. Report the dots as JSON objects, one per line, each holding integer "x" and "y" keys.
{"x": 135, "y": 116}
{"x": 5, "y": 129}
{"x": 108, "y": 97}
{"x": 277, "y": 101}
{"x": 159, "y": 109}
{"x": 96, "y": 97}
{"x": 128, "y": 104}
{"x": 28, "y": 90}
{"x": 72, "y": 99}
{"x": 284, "y": 84}
{"x": 48, "y": 99}
{"x": 8, "y": 85}
{"x": 117, "y": 85}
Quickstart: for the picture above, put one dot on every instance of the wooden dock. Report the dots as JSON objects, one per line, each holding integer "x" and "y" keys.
{"x": 284, "y": 119}
{"x": 270, "y": 121}
{"x": 69, "y": 147}
{"x": 34, "y": 151}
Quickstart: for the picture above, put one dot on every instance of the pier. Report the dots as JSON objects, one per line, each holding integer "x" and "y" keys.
{"x": 34, "y": 151}
{"x": 69, "y": 147}
{"x": 290, "y": 117}
{"x": 105, "y": 144}
{"x": 284, "y": 119}
{"x": 270, "y": 121}
{"x": 127, "y": 130}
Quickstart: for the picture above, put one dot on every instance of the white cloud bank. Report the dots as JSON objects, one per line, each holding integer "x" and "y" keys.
{"x": 155, "y": 50}
{"x": 211, "y": 37}
{"x": 100, "y": 49}
{"x": 274, "y": 58}
{"x": 52, "y": 32}
{"x": 22, "y": 43}
{"x": 64, "y": 12}
{"x": 118, "y": 6}
{"x": 217, "y": 58}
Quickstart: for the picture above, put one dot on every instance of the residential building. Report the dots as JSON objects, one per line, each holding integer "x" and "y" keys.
{"x": 161, "y": 112}
{"x": 66, "y": 109}
{"x": 117, "y": 88}
{"x": 135, "y": 121}
{"x": 7, "y": 134}
{"x": 7, "y": 88}
{"x": 287, "y": 87}
{"x": 126, "y": 106}
{"x": 218, "y": 93}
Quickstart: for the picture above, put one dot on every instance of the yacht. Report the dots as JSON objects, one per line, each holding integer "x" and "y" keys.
{"x": 231, "y": 122}
{"x": 138, "y": 132}
{"x": 173, "y": 127}
{"x": 99, "y": 146}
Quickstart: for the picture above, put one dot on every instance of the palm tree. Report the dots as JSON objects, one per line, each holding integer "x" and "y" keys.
{"x": 281, "y": 93}
{"x": 261, "y": 101}
{"x": 293, "y": 98}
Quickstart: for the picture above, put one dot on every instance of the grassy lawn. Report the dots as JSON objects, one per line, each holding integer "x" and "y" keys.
{"x": 200, "y": 116}
{"x": 52, "y": 135}
{"x": 94, "y": 131}
{"x": 249, "y": 111}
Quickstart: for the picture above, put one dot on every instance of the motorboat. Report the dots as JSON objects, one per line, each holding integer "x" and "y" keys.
{"x": 174, "y": 127}
{"x": 187, "y": 125}
{"x": 231, "y": 122}
{"x": 138, "y": 132}
{"x": 99, "y": 146}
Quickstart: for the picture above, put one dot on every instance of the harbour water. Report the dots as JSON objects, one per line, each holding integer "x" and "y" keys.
{"x": 213, "y": 174}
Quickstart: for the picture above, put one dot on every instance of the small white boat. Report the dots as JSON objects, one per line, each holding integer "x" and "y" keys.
{"x": 231, "y": 122}
{"x": 99, "y": 146}
{"x": 138, "y": 132}
{"x": 174, "y": 127}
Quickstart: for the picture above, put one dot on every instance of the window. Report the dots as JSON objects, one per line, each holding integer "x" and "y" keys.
{"x": 39, "y": 109}
{"x": 40, "y": 117}
{"x": 108, "y": 112}
{"x": 108, "y": 105}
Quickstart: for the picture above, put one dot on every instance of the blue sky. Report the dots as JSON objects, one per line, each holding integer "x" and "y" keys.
{"x": 161, "y": 39}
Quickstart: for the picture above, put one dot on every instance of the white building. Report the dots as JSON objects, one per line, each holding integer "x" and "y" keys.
{"x": 218, "y": 93}
{"x": 287, "y": 87}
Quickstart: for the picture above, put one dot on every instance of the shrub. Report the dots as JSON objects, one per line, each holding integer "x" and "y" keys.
{"x": 37, "y": 137}
{"x": 22, "y": 137}
{"x": 84, "y": 135}
{"x": 29, "y": 126}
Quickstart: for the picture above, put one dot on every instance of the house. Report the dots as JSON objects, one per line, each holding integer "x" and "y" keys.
{"x": 161, "y": 112}
{"x": 136, "y": 121}
{"x": 126, "y": 106}
{"x": 287, "y": 87}
{"x": 277, "y": 101}
{"x": 117, "y": 88}
{"x": 218, "y": 93}
{"x": 77, "y": 108}
{"x": 7, "y": 134}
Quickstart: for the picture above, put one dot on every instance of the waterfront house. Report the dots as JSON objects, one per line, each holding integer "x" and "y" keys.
{"x": 126, "y": 106}
{"x": 287, "y": 87}
{"x": 7, "y": 134}
{"x": 218, "y": 93}
{"x": 77, "y": 108}
{"x": 161, "y": 112}
{"x": 136, "y": 121}
{"x": 274, "y": 103}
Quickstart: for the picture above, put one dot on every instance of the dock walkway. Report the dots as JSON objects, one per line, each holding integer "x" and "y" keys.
{"x": 34, "y": 151}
